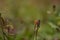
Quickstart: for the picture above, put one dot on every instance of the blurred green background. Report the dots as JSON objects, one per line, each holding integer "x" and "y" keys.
{"x": 22, "y": 13}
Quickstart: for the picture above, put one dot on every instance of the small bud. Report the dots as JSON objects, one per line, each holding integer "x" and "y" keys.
{"x": 54, "y": 7}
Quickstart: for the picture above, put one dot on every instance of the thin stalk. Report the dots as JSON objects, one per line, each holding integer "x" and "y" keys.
{"x": 35, "y": 32}
{"x": 3, "y": 33}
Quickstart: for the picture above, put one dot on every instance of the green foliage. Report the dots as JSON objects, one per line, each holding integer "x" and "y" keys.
{"x": 22, "y": 9}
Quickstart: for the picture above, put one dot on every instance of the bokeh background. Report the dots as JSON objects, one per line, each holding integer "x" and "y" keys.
{"x": 22, "y": 13}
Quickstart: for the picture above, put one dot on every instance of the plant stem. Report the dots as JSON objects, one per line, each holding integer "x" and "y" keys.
{"x": 35, "y": 33}
{"x": 3, "y": 33}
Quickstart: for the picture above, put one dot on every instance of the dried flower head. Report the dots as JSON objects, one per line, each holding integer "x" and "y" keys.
{"x": 11, "y": 29}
